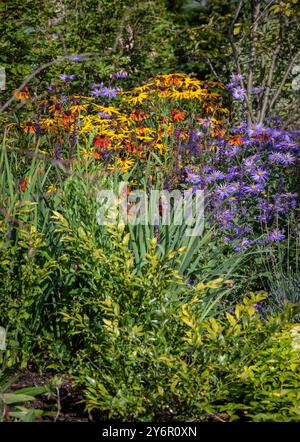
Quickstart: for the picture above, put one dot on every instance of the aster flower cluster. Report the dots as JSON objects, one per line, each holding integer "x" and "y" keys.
{"x": 238, "y": 92}
{"x": 67, "y": 78}
{"x": 247, "y": 183}
{"x": 121, "y": 75}
{"x": 99, "y": 90}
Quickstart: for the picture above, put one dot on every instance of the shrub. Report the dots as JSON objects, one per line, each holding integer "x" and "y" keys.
{"x": 169, "y": 364}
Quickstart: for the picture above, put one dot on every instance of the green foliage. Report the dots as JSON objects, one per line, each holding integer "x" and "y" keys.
{"x": 241, "y": 365}
{"x": 15, "y": 403}
{"x": 117, "y": 34}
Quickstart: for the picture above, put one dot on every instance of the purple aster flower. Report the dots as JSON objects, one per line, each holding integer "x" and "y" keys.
{"x": 193, "y": 178}
{"x": 97, "y": 92}
{"x": 239, "y": 128}
{"x": 236, "y": 78}
{"x": 121, "y": 74}
{"x": 276, "y": 133}
{"x": 257, "y": 129}
{"x": 236, "y": 186}
{"x": 287, "y": 158}
{"x": 260, "y": 175}
{"x": 273, "y": 119}
{"x": 254, "y": 188}
{"x": 283, "y": 202}
{"x": 232, "y": 199}
{"x": 224, "y": 190}
{"x": 230, "y": 86}
{"x": 282, "y": 158}
{"x": 192, "y": 189}
{"x": 199, "y": 134}
{"x": 205, "y": 122}
{"x": 97, "y": 85}
{"x": 275, "y": 158}
{"x": 104, "y": 114}
{"x": 276, "y": 235}
{"x": 66, "y": 78}
{"x": 243, "y": 245}
{"x": 233, "y": 151}
{"x": 239, "y": 94}
{"x": 256, "y": 90}
{"x": 250, "y": 161}
{"x": 265, "y": 206}
{"x": 247, "y": 229}
{"x": 288, "y": 195}
{"x": 109, "y": 92}
{"x": 225, "y": 219}
{"x": 76, "y": 58}
{"x": 214, "y": 176}
{"x": 286, "y": 144}
{"x": 233, "y": 173}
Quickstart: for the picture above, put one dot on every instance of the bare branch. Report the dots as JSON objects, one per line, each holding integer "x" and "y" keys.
{"x": 286, "y": 74}
{"x": 40, "y": 69}
{"x": 236, "y": 55}
{"x": 232, "y": 44}
{"x": 253, "y": 39}
{"x": 293, "y": 117}
{"x": 214, "y": 72}
{"x": 270, "y": 76}
{"x": 263, "y": 13}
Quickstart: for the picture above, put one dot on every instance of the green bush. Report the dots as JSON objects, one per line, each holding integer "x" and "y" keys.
{"x": 142, "y": 369}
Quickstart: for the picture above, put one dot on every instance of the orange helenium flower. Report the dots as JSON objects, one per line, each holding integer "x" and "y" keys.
{"x": 177, "y": 115}
{"x": 22, "y": 94}
{"x": 236, "y": 141}
{"x": 102, "y": 142}
{"x": 137, "y": 115}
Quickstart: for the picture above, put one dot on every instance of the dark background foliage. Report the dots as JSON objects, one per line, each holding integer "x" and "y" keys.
{"x": 144, "y": 36}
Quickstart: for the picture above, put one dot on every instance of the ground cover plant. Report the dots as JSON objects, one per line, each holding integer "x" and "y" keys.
{"x": 140, "y": 314}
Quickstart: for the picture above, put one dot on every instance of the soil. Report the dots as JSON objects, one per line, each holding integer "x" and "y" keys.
{"x": 63, "y": 406}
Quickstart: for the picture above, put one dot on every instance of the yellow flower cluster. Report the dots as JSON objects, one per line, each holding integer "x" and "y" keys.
{"x": 174, "y": 86}
{"x": 145, "y": 120}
